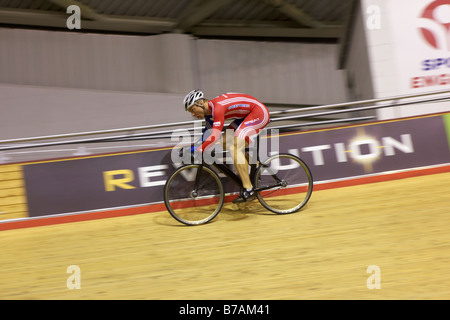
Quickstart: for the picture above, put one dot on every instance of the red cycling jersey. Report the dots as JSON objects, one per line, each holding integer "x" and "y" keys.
{"x": 251, "y": 115}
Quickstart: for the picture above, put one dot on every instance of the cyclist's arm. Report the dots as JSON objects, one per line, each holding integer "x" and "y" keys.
{"x": 205, "y": 133}
{"x": 216, "y": 130}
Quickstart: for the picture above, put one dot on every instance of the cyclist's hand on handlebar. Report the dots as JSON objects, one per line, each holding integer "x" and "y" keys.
{"x": 192, "y": 152}
{"x": 186, "y": 150}
{"x": 184, "y": 154}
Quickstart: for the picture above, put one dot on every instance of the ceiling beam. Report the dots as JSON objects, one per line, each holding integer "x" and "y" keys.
{"x": 275, "y": 32}
{"x": 295, "y": 13}
{"x": 108, "y": 22}
{"x": 198, "y": 12}
{"x": 146, "y": 25}
{"x": 86, "y": 11}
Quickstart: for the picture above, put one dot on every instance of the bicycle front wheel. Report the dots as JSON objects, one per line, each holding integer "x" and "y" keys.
{"x": 194, "y": 203}
{"x": 284, "y": 182}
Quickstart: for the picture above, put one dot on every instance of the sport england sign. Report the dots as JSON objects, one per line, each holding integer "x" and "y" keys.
{"x": 434, "y": 24}
{"x": 421, "y": 40}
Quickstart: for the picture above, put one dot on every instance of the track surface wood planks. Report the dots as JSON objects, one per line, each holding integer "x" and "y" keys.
{"x": 326, "y": 251}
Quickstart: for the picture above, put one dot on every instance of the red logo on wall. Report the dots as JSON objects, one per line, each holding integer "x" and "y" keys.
{"x": 437, "y": 30}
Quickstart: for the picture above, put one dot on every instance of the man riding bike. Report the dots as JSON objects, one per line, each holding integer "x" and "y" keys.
{"x": 250, "y": 117}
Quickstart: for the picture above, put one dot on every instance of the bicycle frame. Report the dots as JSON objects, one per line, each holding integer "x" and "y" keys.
{"x": 213, "y": 193}
{"x": 234, "y": 177}
{"x": 225, "y": 170}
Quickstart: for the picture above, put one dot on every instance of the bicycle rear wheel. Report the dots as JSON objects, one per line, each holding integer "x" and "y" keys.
{"x": 193, "y": 204}
{"x": 285, "y": 183}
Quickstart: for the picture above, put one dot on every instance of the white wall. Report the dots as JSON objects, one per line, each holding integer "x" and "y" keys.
{"x": 60, "y": 82}
{"x": 279, "y": 72}
{"x": 276, "y": 72}
{"x": 28, "y": 111}
{"x": 95, "y": 61}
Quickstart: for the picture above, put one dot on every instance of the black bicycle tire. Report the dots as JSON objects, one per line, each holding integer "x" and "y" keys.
{"x": 310, "y": 184}
{"x": 167, "y": 200}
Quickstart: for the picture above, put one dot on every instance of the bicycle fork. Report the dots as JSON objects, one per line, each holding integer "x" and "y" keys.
{"x": 194, "y": 193}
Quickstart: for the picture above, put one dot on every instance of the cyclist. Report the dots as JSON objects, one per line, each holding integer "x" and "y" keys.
{"x": 250, "y": 117}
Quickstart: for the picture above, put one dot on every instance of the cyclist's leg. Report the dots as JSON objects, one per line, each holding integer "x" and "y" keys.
{"x": 228, "y": 142}
{"x": 240, "y": 162}
{"x": 252, "y": 124}
{"x": 236, "y": 148}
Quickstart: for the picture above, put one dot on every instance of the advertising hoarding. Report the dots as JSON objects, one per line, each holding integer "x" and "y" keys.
{"x": 409, "y": 51}
{"x": 421, "y": 32}
{"x": 137, "y": 178}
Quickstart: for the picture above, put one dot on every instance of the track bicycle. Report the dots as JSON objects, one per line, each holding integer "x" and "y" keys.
{"x": 194, "y": 194}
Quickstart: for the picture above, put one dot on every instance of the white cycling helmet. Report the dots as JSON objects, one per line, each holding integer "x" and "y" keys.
{"x": 191, "y": 98}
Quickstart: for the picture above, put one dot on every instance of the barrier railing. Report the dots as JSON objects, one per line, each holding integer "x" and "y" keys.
{"x": 294, "y": 122}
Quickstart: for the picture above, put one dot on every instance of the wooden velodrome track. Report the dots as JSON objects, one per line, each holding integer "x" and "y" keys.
{"x": 322, "y": 252}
